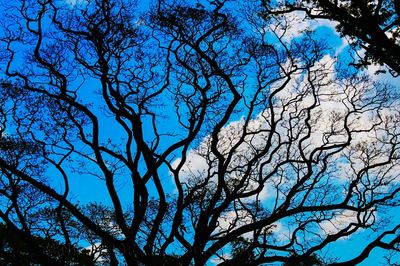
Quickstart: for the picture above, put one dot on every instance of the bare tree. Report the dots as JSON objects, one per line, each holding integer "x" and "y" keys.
{"x": 231, "y": 143}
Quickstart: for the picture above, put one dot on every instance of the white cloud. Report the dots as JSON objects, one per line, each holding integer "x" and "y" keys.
{"x": 221, "y": 258}
{"x": 233, "y": 220}
{"x": 98, "y": 252}
{"x": 327, "y": 120}
{"x": 346, "y": 219}
{"x": 294, "y": 24}
{"x": 339, "y": 222}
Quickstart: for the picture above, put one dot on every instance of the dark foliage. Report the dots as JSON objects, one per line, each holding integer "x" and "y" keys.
{"x": 371, "y": 25}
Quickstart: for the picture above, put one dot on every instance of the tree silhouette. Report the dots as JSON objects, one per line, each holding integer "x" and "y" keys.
{"x": 371, "y": 25}
{"x": 15, "y": 251}
{"x": 207, "y": 134}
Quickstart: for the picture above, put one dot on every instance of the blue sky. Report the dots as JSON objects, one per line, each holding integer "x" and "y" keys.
{"x": 87, "y": 188}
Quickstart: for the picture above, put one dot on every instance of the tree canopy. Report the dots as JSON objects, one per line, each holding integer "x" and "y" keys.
{"x": 16, "y": 250}
{"x": 193, "y": 133}
{"x": 373, "y": 26}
